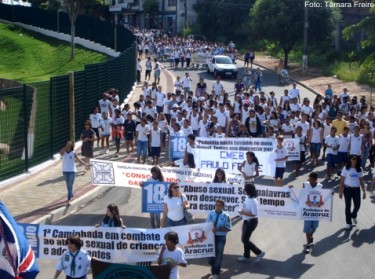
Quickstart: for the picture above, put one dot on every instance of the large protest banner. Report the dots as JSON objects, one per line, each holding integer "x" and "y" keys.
{"x": 274, "y": 202}
{"x": 111, "y": 173}
{"x": 228, "y": 153}
{"x": 128, "y": 245}
{"x": 105, "y": 270}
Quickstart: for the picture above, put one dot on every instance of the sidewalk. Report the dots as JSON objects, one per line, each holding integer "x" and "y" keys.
{"x": 40, "y": 197}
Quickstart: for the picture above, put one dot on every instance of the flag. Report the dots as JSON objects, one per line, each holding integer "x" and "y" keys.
{"x": 17, "y": 259}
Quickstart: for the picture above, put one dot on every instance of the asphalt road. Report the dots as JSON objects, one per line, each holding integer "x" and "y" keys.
{"x": 337, "y": 253}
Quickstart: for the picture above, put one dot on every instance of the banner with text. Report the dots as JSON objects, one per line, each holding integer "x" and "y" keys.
{"x": 120, "y": 245}
{"x": 153, "y": 193}
{"x": 111, "y": 173}
{"x": 274, "y": 202}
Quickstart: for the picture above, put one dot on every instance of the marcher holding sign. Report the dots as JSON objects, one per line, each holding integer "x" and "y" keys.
{"x": 156, "y": 175}
{"x": 250, "y": 167}
{"x": 222, "y": 225}
{"x": 249, "y": 213}
{"x": 75, "y": 262}
{"x": 174, "y": 204}
{"x": 172, "y": 255}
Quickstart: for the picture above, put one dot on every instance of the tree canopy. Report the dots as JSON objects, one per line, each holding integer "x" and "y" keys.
{"x": 282, "y": 22}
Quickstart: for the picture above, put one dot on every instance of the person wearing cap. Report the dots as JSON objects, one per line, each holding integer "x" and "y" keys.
{"x": 281, "y": 157}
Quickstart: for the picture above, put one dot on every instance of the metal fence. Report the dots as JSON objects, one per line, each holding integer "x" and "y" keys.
{"x": 34, "y": 118}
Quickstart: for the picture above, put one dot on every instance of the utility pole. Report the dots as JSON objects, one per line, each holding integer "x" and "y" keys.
{"x": 305, "y": 33}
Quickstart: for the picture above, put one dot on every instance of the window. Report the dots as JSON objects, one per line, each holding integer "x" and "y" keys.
{"x": 172, "y": 3}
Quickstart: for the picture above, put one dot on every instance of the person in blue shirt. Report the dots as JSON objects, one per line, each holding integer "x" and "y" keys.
{"x": 222, "y": 225}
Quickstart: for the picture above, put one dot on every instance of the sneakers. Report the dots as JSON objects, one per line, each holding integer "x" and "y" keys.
{"x": 355, "y": 221}
{"x": 259, "y": 257}
{"x": 243, "y": 259}
{"x": 348, "y": 227}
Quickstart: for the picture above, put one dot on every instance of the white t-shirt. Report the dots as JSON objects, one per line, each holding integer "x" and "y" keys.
{"x": 106, "y": 126}
{"x": 280, "y": 154}
{"x": 222, "y": 117}
{"x": 355, "y": 145}
{"x": 203, "y": 128}
{"x": 175, "y": 209}
{"x": 68, "y": 162}
{"x": 82, "y": 263}
{"x": 218, "y": 87}
{"x": 249, "y": 170}
{"x": 142, "y": 132}
{"x": 332, "y": 141}
{"x": 301, "y": 140}
{"x": 95, "y": 119}
{"x": 104, "y": 105}
{"x": 305, "y": 126}
{"x": 160, "y": 98}
{"x": 344, "y": 143}
{"x": 351, "y": 177}
{"x": 294, "y": 93}
{"x": 177, "y": 256}
{"x": 316, "y": 134}
{"x": 250, "y": 205}
{"x": 155, "y": 137}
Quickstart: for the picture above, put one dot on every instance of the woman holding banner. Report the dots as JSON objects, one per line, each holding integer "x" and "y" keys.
{"x": 156, "y": 175}
{"x": 250, "y": 167}
{"x": 249, "y": 213}
{"x": 174, "y": 204}
{"x": 112, "y": 218}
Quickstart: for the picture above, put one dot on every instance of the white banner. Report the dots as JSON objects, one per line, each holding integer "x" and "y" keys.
{"x": 274, "y": 202}
{"x": 228, "y": 153}
{"x": 132, "y": 175}
{"x": 120, "y": 245}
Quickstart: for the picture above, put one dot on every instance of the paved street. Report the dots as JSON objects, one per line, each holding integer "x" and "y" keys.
{"x": 337, "y": 253}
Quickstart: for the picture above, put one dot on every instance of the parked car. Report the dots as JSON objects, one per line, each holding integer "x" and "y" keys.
{"x": 221, "y": 65}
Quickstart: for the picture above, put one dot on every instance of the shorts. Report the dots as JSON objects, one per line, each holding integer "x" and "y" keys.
{"x": 315, "y": 147}
{"x": 302, "y": 157}
{"x": 159, "y": 109}
{"x": 331, "y": 160}
{"x": 310, "y": 226}
{"x": 342, "y": 158}
{"x": 155, "y": 151}
{"x": 279, "y": 173}
{"x": 129, "y": 136}
{"x": 177, "y": 60}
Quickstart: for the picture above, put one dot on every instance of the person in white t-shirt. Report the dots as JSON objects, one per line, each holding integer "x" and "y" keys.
{"x": 155, "y": 142}
{"x": 217, "y": 87}
{"x": 105, "y": 126}
{"x": 104, "y": 104}
{"x": 332, "y": 144}
{"x": 171, "y": 255}
{"x": 142, "y": 132}
{"x": 281, "y": 158}
{"x": 294, "y": 92}
{"x": 186, "y": 83}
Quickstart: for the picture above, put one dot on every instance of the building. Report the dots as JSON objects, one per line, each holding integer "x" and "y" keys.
{"x": 171, "y": 16}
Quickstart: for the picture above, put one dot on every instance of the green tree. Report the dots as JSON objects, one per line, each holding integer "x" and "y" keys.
{"x": 282, "y": 22}
{"x": 223, "y": 20}
{"x": 74, "y": 8}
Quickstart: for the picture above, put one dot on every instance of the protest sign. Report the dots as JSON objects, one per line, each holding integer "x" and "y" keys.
{"x": 153, "y": 193}
{"x": 274, "y": 202}
{"x": 293, "y": 148}
{"x": 120, "y": 245}
{"x": 133, "y": 175}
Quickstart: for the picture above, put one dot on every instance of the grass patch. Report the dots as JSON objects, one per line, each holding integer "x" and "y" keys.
{"x": 29, "y": 57}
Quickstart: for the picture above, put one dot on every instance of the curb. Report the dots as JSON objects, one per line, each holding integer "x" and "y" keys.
{"x": 76, "y": 204}
{"x": 293, "y": 79}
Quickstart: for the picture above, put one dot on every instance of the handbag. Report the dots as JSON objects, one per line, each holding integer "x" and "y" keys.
{"x": 189, "y": 217}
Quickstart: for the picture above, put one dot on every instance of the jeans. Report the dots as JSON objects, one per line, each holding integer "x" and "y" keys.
{"x": 258, "y": 85}
{"x": 142, "y": 148}
{"x": 352, "y": 193}
{"x": 155, "y": 220}
{"x": 215, "y": 262}
{"x": 171, "y": 223}
{"x": 69, "y": 180}
{"x": 248, "y": 227}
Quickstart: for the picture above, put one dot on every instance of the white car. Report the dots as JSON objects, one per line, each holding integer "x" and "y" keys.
{"x": 223, "y": 66}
